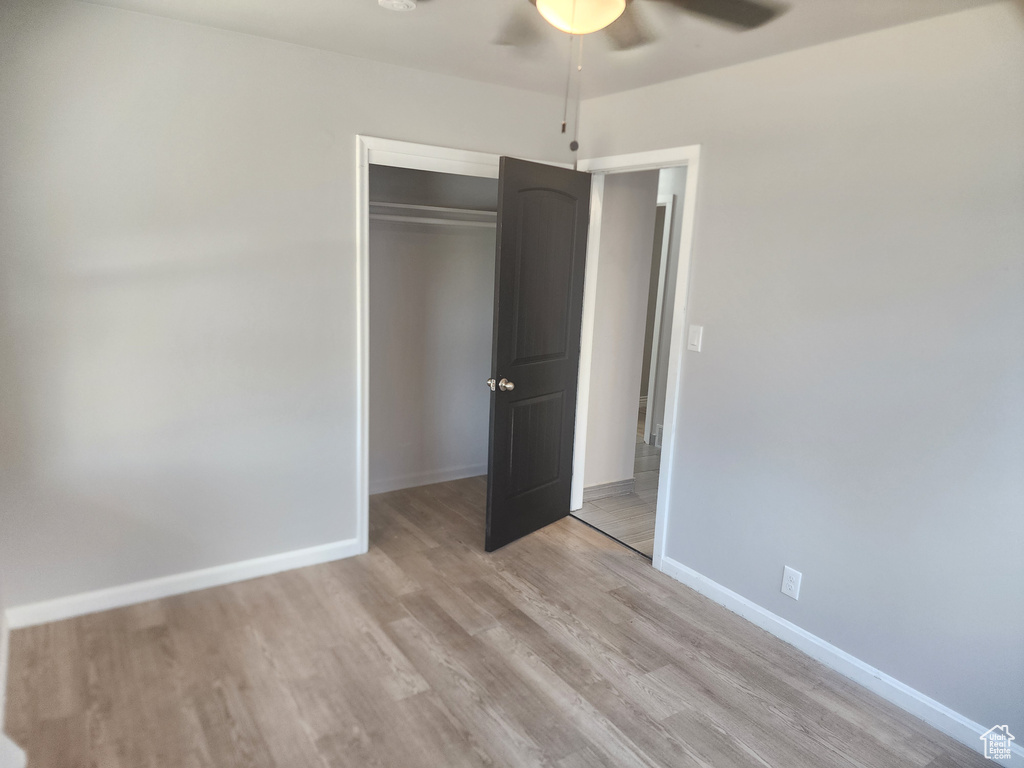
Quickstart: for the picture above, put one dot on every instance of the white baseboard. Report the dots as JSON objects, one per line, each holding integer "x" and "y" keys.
{"x": 937, "y": 715}
{"x": 153, "y": 589}
{"x": 417, "y": 479}
{"x": 608, "y": 490}
{"x": 11, "y": 755}
{"x": 5, "y": 637}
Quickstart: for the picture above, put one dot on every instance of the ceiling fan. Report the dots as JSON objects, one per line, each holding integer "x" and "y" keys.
{"x": 621, "y": 20}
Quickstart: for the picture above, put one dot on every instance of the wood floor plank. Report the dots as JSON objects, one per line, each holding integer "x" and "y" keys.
{"x": 330, "y": 720}
{"x": 704, "y": 625}
{"x": 563, "y": 649}
{"x": 233, "y": 736}
{"x": 506, "y": 740}
{"x": 584, "y": 717}
{"x": 716, "y": 662}
{"x": 520, "y": 702}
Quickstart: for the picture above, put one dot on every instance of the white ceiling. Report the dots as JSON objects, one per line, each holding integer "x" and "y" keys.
{"x": 456, "y": 37}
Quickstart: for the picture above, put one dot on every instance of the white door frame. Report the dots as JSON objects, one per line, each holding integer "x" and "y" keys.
{"x": 600, "y": 166}
{"x": 668, "y": 201}
{"x": 401, "y": 154}
{"x": 427, "y": 157}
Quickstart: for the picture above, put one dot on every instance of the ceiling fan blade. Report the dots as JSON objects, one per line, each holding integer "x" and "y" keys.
{"x": 522, "y": 28}
{"x": 628, "y": 31}
{"x": 746, "y": 14}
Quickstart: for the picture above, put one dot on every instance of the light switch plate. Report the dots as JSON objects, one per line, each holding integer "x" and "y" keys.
{"x": 696, "y": 337}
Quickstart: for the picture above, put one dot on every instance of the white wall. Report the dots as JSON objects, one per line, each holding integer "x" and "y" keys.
{"x": 857, "y": 409}
{"x": 431, "y": 312}
{"x": 178, "y": 281}
{"x": 671, "y": 181}
{"x": 623, "y": 282}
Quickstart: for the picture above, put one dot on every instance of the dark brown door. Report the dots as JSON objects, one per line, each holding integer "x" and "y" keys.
{"x": 543, "y": 216}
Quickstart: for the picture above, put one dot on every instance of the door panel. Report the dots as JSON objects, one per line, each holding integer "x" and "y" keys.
{"x": 535, "y": 443}
{"x": 546, "y": 222}
{"x": 543, "y": 217}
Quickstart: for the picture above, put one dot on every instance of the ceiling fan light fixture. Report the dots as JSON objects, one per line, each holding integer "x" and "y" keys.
{"x": 580, "y": 17}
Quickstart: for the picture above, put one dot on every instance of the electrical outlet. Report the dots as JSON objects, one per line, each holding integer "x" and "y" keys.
{"x": 791, "y": 583}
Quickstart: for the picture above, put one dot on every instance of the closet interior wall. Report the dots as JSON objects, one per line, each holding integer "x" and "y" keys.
{"x": 432, "y": 245}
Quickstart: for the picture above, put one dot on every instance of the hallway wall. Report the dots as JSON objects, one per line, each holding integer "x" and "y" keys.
{"x": 623, "y": 282}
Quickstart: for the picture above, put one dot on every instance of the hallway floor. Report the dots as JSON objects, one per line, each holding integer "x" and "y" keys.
{"x": 630, "y": 518}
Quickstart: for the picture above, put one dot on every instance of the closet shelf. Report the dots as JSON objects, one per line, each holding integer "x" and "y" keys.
{"x": 432, "y": 214}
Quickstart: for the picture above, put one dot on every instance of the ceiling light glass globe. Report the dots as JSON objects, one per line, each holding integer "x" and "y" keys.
{"x": 580, "y": 17}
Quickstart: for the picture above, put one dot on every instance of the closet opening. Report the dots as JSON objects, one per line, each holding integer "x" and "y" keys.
{"x": 431, "y": 307}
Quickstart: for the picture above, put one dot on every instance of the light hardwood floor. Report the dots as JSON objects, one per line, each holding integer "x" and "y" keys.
{"x": 630, "y": 518}
{"x": 563, "y": 649}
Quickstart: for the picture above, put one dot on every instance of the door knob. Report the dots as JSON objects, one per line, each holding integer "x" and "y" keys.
{"x": 491, "y": 383}
{"x": 506, "y": 386}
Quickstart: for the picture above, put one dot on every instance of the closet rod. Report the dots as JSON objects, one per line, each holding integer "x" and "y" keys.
{"x": 435, "y": 208}
{"x": 431, "y": 220}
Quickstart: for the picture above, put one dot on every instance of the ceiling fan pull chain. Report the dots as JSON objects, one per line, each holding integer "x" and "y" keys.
{"x": 568, "y": 79}
{"x": 575, "y": 143}
{"x": 568, "y": 75}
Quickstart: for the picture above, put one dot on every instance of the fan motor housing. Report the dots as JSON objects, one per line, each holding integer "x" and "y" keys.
{"x": 398, "y": 5}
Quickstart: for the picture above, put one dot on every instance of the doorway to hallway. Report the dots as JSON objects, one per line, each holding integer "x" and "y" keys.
{"x": 635, "y": 297}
